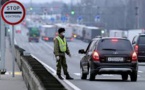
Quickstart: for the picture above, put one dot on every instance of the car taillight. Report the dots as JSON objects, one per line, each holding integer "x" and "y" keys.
{"x": 114, "y": 40}
{"x": 134, "y": 56}
{"x": 136, "y": 48}
{"x": 46, "y": 38}
{"x": 95, "y": 56}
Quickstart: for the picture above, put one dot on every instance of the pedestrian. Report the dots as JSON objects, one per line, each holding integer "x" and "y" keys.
{"x": 60, "y": 49}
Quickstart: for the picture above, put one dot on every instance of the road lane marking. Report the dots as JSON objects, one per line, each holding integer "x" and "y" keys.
{"x": 77, "y": 74}
{"x": 47, "y": 45}
{"x": 31, "y": 44}
{"x": 15, "y": 42}
{"x": 54, "y": 73}
{"x": 16, "y": 73}
{"x": 140, "y": 71}
{"x": 108, "y": 75}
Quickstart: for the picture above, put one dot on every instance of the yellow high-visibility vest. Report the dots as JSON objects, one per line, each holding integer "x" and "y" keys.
{"x": 62, "y": 44}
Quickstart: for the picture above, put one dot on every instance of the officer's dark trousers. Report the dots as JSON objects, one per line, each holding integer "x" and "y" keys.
{"x": 61, "y": 63}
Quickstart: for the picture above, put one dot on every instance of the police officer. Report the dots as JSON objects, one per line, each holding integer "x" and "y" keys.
{"x": 60, "y": 49}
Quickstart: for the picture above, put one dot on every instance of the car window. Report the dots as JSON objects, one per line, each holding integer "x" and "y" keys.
{"x": 92, "y": 46}
{"x": 142, "y": 40}
{"x": 88, "y": 46}
{"x": 115, "y": 44}
{"x": 134, "y": 39}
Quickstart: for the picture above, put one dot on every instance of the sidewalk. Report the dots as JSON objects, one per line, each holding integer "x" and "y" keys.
{"x": 7, "y": 82}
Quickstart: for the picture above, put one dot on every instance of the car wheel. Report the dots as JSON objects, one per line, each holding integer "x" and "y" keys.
{"x": 134, "y": 76}
{"x": 92, "y": 76}
{"x": 124, "y": 77}
{"x": 83, "y": 75}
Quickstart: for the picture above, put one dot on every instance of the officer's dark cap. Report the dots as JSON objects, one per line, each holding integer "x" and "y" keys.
{"x": 60, "y": 30}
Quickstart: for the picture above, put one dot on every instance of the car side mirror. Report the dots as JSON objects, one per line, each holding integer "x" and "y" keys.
{"x": 82, "y": 51}
{"x": 133, "y": 42}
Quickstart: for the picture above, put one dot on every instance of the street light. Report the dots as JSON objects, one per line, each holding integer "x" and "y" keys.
{"x": 72, "y": 12}
{"x": 31, "y": 8}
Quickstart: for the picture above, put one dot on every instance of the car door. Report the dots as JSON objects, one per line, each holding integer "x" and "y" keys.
{"x": 90, "y": 50}
{"x": 85, "y": 60}
{"x": 84, "y": 64}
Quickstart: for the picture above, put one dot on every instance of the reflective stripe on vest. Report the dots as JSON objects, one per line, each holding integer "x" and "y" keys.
{"x": 62, "y": 44}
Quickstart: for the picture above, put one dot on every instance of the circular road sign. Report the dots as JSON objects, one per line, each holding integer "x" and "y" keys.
{"x": 13, "y": 12}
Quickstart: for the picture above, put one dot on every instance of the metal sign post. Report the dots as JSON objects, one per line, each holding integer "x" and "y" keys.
{"x": 13, "y": 51}
{"x": 2, "y": 41}
{"x": 13, "y": 13}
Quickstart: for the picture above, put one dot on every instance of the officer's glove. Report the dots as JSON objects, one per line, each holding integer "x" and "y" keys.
{"x": 57, "y": 58}
{"x": 69, "y": 55}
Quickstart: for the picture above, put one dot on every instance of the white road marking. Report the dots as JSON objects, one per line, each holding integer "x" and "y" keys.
{"x": 108, "y": 75}
{"x": 47, "y": 45}
{"x": 16, "y": 73}
{"x": 140, "y": 71}
{"x": 77, "y": 74}
{"x": 31, "y": 44}
{"x": 54, "y": 73}
{"x": 15, "y": 42}
{"x": 8, "y": 73}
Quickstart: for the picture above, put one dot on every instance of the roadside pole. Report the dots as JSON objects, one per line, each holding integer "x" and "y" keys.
{"x": 2, "y": 32}
{"x": 2, "y": 45}
{"x": 11, "y": 16}
{"x": 13, "y": 52}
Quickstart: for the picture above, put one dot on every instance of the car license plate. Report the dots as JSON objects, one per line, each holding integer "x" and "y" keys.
{"x": 115, "y": 59}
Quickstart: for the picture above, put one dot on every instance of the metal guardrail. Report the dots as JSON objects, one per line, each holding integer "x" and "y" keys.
{"x": 35, "y": 74}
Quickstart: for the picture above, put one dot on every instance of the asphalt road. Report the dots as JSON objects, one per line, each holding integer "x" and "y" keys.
{"x": 44, "y": 52}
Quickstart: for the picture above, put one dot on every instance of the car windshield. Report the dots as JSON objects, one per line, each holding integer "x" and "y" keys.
{"x": 115, "y": 45}
{"x": 142, "y": 40}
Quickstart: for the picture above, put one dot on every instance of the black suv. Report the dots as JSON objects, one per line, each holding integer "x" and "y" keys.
{"x": 109, "y": 56}
{"x": 139, "y": 46}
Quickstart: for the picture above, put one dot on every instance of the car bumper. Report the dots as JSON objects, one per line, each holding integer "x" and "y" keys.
{"x": 114, "y": 68}
{"x": 35, "y": 39}
{"x": 141, "y": 58}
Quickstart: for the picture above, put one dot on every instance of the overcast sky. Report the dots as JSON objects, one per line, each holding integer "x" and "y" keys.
{"x": 44, "y": 1}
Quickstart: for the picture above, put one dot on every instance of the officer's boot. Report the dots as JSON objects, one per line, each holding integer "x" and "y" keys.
{"x": 68, "y": 77}
{"x": 59, "y": 76}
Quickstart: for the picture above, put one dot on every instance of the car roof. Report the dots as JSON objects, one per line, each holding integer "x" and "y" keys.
{"x": 113, "y": 38}
{"x": 47, "y": 26}
{"x": 110, "y": 38}
{"x": 141, "y": 34}
{"x": 91, "y": 27}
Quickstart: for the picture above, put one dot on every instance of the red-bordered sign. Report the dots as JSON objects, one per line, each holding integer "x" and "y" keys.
{"x": 13, "y": 12}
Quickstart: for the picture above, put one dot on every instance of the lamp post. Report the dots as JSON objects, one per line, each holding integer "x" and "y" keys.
{"x": 137, "y": 14}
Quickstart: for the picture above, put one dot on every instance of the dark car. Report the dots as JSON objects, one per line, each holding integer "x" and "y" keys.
{"x": 139, "y": 46}
{"x": 109, "y": 56}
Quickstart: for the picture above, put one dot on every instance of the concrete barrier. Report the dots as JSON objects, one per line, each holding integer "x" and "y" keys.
{"x": 35, "y": 74}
